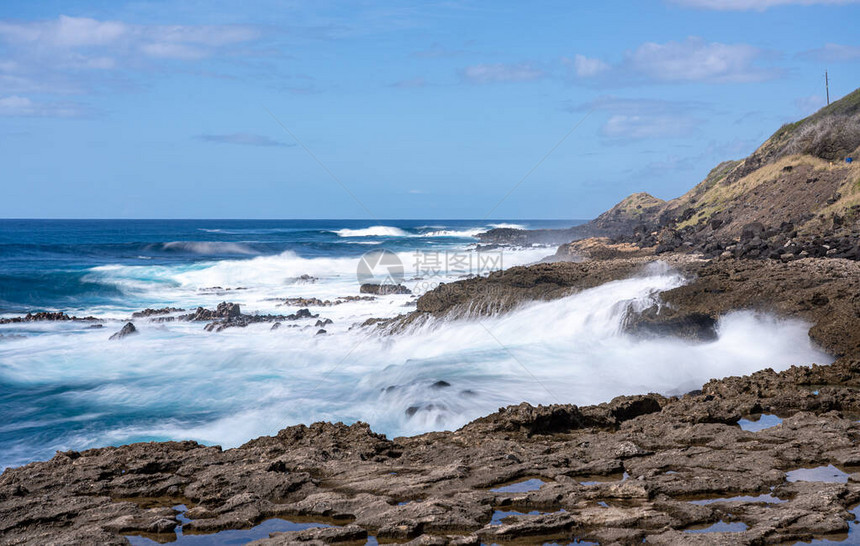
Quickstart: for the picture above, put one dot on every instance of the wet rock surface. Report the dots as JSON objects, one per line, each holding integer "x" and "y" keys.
{"x": 824, "y": 292}
{"x": 229, "y": 315}
{"x": 46, "y": 316}
{"x": 316, "y": 302}
{"x": 503, "y": 290}
{"x": 671, "y": 451}
{"x": 146, "y": 313}
{"x": 127, "y": 330}
{"x": 383, "y": 289}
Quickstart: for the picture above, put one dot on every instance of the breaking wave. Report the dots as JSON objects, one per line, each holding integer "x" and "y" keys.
{"x": 206, "y": 248}
{"x": 177, "y": 381}
{"x": 373, "y": 231}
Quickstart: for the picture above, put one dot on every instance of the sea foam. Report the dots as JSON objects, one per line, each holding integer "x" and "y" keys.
{"x": 373, "y": 231}
{"x": 177, "y": 381}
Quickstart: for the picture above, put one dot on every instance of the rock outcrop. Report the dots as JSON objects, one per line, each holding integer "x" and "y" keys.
{"x": 636, "y": 468}
{"x": 383, "y": 289}
{"x": 127, "y": 330}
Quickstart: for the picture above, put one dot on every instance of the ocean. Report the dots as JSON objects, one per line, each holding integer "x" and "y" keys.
{"x": 65, "y": 385}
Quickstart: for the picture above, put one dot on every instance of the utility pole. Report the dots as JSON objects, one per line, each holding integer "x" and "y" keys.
{"x": 827, "y": 87}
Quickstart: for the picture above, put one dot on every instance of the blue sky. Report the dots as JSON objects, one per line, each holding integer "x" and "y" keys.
{"x": 184, "y": 109}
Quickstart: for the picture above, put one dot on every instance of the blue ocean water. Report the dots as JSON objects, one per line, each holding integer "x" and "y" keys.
{"x": 44, "y": 264}
{"x": 67, "y": 385}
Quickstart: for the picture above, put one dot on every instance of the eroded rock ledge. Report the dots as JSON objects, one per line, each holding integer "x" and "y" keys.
{"x": 617, "y": 472}
{"x": 824, "y": 292}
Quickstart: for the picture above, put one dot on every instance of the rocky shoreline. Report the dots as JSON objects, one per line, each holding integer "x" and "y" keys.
{"x": 639, "y": 467}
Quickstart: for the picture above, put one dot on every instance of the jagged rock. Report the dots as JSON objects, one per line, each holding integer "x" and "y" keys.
{"x": 46, "y": 316}
{"x": 228, "y": 310}
{"x": 146, "y": 313}
{"x": 660, "y": 321}
{"x": 304, "y": 313}
{"x": 384, "y": 289}
{"x": 125, "y": 331}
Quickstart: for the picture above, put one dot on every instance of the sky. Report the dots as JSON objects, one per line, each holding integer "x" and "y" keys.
{"x": 374, "y": 110}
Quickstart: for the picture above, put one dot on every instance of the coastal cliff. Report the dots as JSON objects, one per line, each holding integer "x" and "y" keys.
{"x": 798, "y": 192}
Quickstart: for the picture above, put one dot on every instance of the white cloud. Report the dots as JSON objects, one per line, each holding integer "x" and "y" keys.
{"x": 586, "y": 67}
{"x": 82, "y": 32}
{"x": 74, "y": 55}
{"x": 501, "y": 72}
{"x": 42, "y": 51}
{"x": 64, "y": 32}
{"x": 755, "y": 5}
{"x": 632, "y": 119}
{"x": 695, "y": 60}
{"x": 648, "y": 126}
{"x": 16, "y": 106}
{"x": 833, "y": 53}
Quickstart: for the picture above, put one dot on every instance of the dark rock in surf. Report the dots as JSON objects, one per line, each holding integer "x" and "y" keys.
{"x": 224, "y": 310}
{"x": 46, "y": 316}
{"x": 384, "y": 289}
{"x": 659, "y": 321}
{"x": 228, "y": 310}
{"x": 155, "y": 312}
{"x": 320, "y": 332}
{"x": 323, "y": 323}
{"x": 304, "y": 313}
{"x": 440, "y": 384}
{"x": 125, "y": 331}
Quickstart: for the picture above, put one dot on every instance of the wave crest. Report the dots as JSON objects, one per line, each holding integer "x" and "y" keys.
{"x": 205, "y": 248}
{"x": 373, "y": 231}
